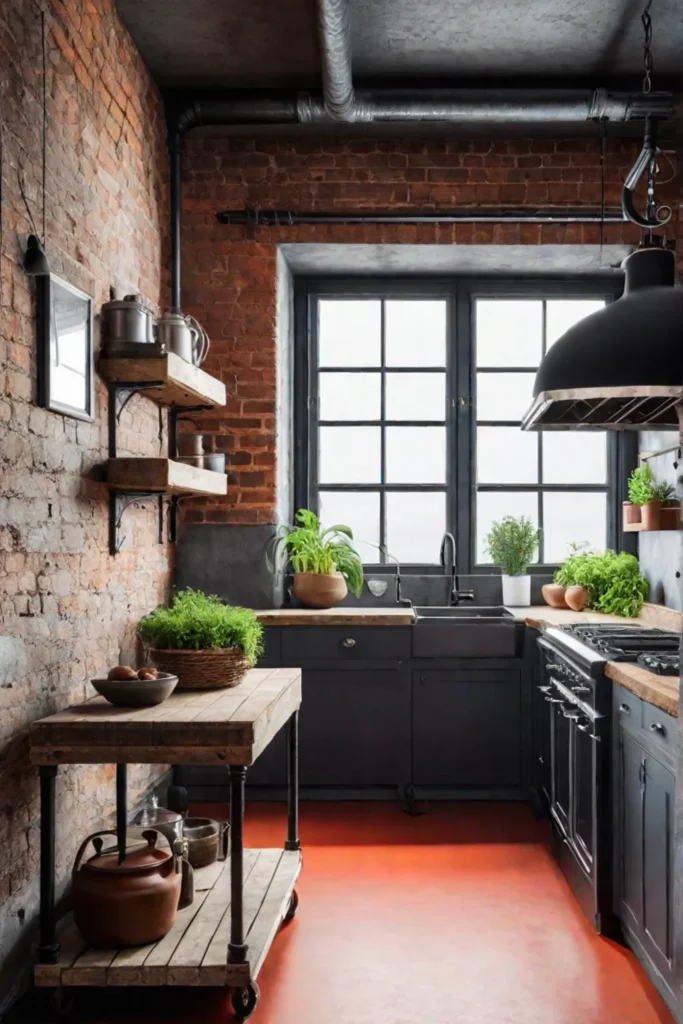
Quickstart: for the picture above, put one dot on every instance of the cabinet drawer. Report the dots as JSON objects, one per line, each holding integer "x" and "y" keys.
{"x": 628, "y": 709}
{"x": 660, "y": 728}
{"x": 347, "y": 643}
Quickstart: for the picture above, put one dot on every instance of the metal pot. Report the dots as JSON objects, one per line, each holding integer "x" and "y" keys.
{"x": 127, "y": 320}
{"x": 169, "y": 823}
{"x": 207, "y": 840}
{"x": 190, "y": 444}
{"x": 184, "y": 336}
{"x": 130, "y": 902}
{"x": 215, "y": 461}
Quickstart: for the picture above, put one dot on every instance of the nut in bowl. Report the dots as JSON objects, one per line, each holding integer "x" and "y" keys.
{"x": 127, "y": 688}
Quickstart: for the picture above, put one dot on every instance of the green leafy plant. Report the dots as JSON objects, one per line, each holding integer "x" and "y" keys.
{"x": 196, "y": 622}
{"x": 640, "y": 485}
{"x": 614, "y": 582}
{"x": 511, "y": 543}
{"x": 666, "y": 494}
{"x": 310, "y": 548}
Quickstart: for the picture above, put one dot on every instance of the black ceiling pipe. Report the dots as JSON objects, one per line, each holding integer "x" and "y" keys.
{"x": 635, "y": 342}
{"x": 280, "y": 218}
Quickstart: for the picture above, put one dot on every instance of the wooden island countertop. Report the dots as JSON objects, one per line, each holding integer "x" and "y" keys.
{"x": 342, "y": 615}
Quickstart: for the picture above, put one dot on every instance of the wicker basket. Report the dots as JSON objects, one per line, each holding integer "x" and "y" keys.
{"x": 213, "y": 669}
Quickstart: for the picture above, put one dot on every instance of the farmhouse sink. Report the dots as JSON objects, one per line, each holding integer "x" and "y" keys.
{"x": 466, "y": 631}
{"x": 446, "y": 613}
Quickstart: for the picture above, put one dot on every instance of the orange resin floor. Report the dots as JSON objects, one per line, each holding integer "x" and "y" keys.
{"x": 459, "y": 916}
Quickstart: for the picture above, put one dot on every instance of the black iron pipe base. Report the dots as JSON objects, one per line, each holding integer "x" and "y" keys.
{"x": 292, "y": 842}
{"x": 48, "y": 947}
{"x": 237, "y": 948}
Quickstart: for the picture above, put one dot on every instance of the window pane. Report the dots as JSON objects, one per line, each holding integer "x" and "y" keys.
{"x": 415, "y": 525}
{"x": 358, "y": 510}
{"x": 573, "y": 517}
{"x": 416, "y": 396}
{"x": 349, "y": 396}
{"x": 493, "y": 505}
{"x": 503, "y": 396}
{"x": 349, "y": 455}
{"x": 509, "y": 332}
{"x": 573, "y": 458}
{"x": 561, "y": 314}
{"x": 416, "y": 455}
{"x": 349, "y": 332}
{"x": 506, "y": 455}
{"x": 415, "y": 332}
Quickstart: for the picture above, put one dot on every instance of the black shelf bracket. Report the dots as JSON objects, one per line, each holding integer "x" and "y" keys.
{"x": 119, "y": 397}
{"x": 119, "y": 502}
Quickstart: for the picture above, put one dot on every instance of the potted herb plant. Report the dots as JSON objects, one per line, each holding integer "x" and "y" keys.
{"x": 206, "y": 643}
{"x": 512, "y": 543}
{"x": 640, "y": 491}
{"x": 324, "y": 561}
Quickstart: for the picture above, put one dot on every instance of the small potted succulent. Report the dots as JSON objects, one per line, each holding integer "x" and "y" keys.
{"x": 206, "y": 643}
{"x": 669, "y": 506}
{"x": 512, "y": 543}
{"x": 324, "y": 561}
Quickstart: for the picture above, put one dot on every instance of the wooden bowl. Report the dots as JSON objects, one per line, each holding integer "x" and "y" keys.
{"x": 136, "y": 693}
{"x": 554, "y": 595}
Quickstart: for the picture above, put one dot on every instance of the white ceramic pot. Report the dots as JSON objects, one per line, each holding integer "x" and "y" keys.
{"x": 516, "y": 591}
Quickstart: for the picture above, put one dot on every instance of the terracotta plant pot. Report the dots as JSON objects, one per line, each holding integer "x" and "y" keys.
{"x": 576, "y": 598}
{"x": 650, "y": 515}
{"x": 316, "y": 591}
{"x": 631, "y": 513}
{"x": 554, "y": 595}
{"x": 670, "y": 517}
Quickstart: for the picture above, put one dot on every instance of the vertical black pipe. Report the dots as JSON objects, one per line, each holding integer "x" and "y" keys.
{"x": 175, "y": 156}
{"x": 292, "y": 842}
{"x": 48, "y": 949}
{"x": 237, "y": 949}
{"x": 121, "y": 808}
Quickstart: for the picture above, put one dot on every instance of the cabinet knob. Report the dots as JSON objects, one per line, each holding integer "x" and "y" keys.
{"x": 625, "y": 709}
{"x": 348, "y": 642}
{"x": 658, "y": 728}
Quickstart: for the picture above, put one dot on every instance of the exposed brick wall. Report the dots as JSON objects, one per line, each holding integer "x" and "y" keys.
{"x": 68, "y": 609}
{"x": 229, "y": 272}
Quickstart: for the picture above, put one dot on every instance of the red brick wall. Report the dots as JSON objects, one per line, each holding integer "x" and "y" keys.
{"x": 229, "y": 272}
{"x": 67, "y": 608}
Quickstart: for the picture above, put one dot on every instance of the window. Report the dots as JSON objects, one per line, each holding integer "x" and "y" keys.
{"x": 559, "y": 479}
{"x": 410, "y": 397}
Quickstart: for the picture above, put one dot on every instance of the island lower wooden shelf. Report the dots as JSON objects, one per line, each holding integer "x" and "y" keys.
{"x": 164, "y": 476}
{"x": 181, "y": 383}
{"x": 194, "y": 951}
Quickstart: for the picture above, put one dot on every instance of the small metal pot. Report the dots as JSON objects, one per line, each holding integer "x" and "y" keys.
{"x": 125, "y": 321}
{"x": 169, "y": 823}
{"x": 190, "y": 444}
{"x": 215, "y": 461}
{"x": 207, "y": 841}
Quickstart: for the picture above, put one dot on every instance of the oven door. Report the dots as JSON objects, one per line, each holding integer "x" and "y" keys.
{"x": 560, "y": 759}
{"x": 584, "y": 826}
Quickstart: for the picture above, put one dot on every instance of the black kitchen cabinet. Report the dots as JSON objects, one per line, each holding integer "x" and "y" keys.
{"x": 467, "y": 729}
{"x": 354, "y": 728}
{"x": 644, "y": 785}
{"x": 541, "y": 726}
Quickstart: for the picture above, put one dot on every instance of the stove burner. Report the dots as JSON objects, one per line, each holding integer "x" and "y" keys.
{"x": 625, "y": 643}
{"x": 662, "y": 664}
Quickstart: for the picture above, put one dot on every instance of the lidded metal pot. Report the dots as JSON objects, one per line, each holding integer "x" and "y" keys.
{"x": 127, "y": 320}
{"x": 182, "y": 334}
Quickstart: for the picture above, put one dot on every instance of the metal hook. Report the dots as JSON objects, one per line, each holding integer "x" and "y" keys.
{"x": 656, "y": 216}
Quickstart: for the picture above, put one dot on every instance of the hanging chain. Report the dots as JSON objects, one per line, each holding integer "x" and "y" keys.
{"x": 647, "y": 48}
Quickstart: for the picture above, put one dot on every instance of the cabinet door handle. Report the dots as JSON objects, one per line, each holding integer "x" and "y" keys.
{"x": 658, "y": 728}
{"x": 348, "y": 642}
{"x": 625, "y": 709}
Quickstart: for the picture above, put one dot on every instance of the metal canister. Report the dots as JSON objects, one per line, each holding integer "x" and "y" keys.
{"x": 127, "y": 320}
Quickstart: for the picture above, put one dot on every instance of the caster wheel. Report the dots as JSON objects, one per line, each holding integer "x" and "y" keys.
{"x": 245, "y": 1000}
{"x": 291, "y": 909}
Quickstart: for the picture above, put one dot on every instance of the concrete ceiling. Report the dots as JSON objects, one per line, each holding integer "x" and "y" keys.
{"x": 272, "y": 44}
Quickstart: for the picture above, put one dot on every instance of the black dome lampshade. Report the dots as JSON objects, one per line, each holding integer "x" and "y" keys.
{"x": 622, "y": 366}
{"x": 35, "y": 260}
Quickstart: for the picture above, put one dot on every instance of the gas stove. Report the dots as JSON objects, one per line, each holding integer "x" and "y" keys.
{"x": 661, "y": 664}
{"x": 625, "y": 643}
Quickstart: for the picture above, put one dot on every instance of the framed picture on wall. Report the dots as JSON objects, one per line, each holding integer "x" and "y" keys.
{"x": 65, "y": 348}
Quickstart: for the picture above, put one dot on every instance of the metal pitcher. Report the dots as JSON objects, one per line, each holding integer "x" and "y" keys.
{"x": 182, "y": 334}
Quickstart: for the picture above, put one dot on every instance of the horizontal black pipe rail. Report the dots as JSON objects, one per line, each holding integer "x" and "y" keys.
{"x": 560, "y": 215}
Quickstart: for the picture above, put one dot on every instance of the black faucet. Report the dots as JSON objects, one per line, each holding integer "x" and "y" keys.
{"x": 404, "y": 602}
{"x": 456, "y": 595}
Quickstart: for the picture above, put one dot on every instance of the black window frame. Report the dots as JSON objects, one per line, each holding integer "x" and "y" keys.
{"x": 461, "y": 486}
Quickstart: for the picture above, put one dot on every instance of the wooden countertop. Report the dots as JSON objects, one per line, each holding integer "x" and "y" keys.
{"x": 226, "y": 726}
{"x": 662, "y": 691}
{"x": 341, "y": 616}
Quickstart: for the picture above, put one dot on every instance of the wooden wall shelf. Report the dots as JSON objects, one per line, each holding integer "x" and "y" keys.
{"x": 183, "y": 384}
{"x": 150, "y": 475}
{"x": 639, "y": 528}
